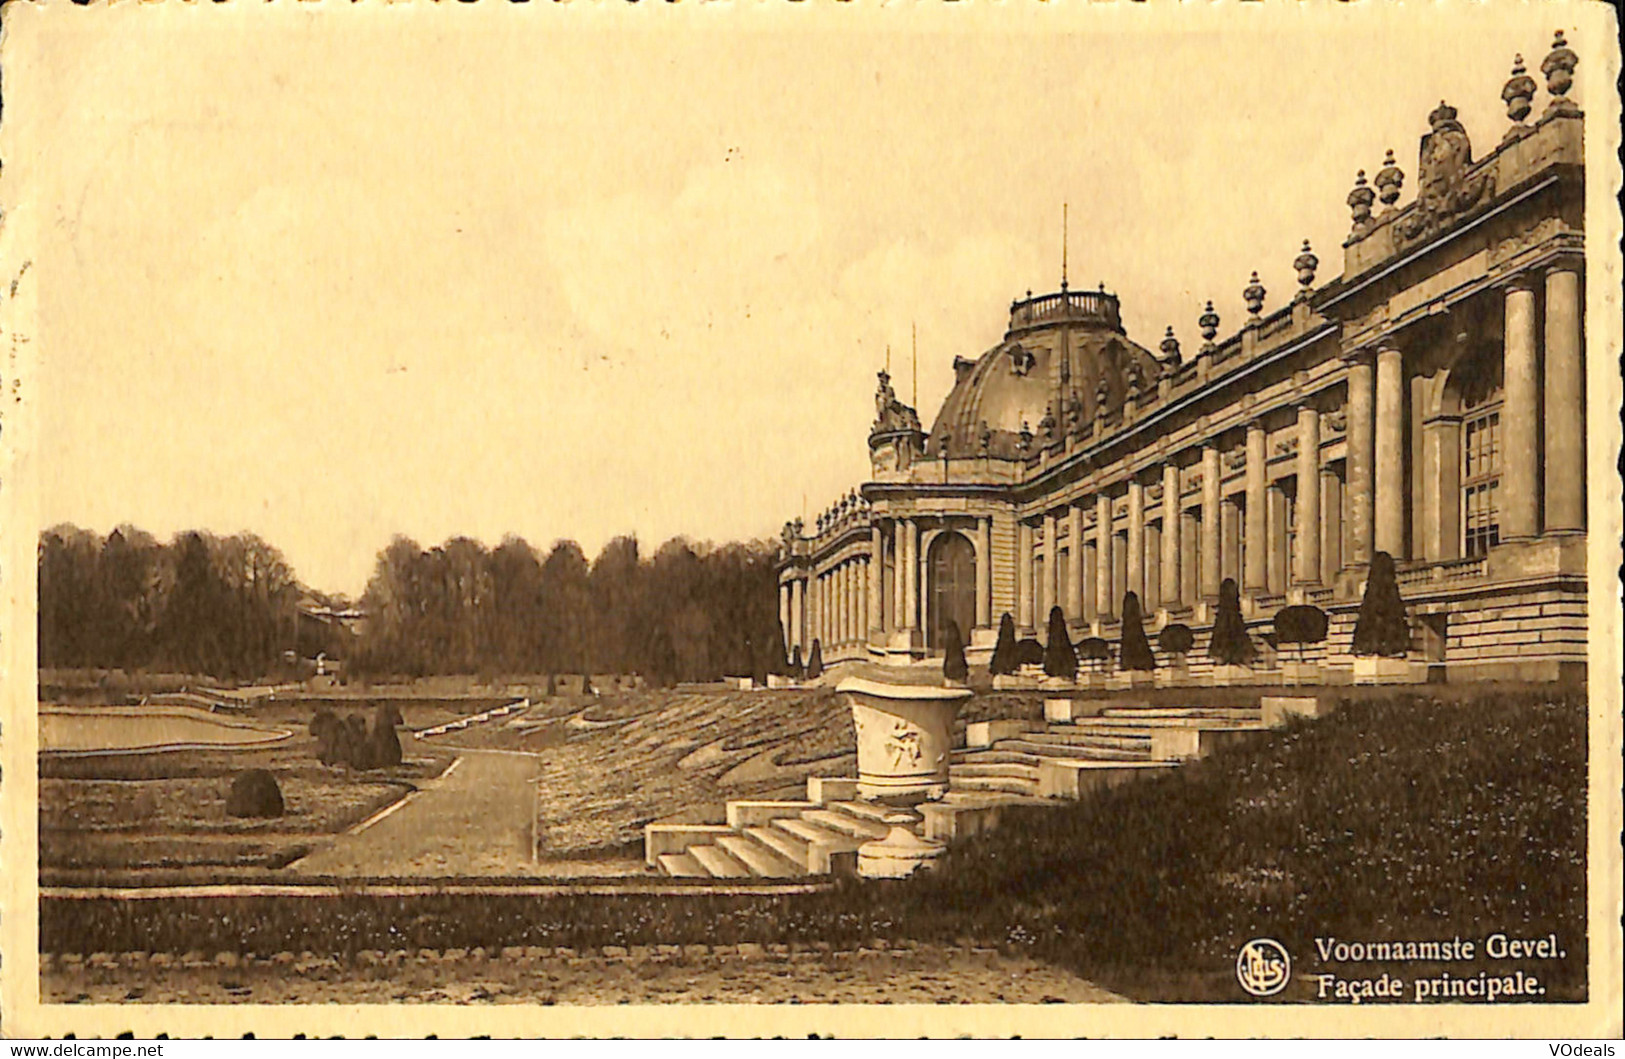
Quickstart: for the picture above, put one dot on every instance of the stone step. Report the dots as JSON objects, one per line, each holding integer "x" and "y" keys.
{"x": 1010, "y": 784}
{"x": 977, "y": 768}
{"x": 760, "y": 859}
{"x": 817, "y": 834}
{"x": 880, "y": 814}
{"x": 987, "y": 757}
{"x": 1092, "y": 753}
{"x": 1218, "y": 713}
{"x": 860, "y": 828}
{"x": 719, "y": 862}
{"x": 1106, "y": 740}
{"x": 683, "y": 866}
{"x": 791, "y": 847}
{"x": 1125, "y": 725}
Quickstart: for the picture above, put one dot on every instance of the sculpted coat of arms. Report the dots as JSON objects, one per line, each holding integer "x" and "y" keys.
{"x": 1444, "y": 188}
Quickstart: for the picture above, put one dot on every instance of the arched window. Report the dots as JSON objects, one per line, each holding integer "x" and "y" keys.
{"x": 1479, "y": 388}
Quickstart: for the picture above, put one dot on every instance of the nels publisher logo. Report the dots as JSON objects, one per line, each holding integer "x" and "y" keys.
{"x": 1263, "y": 967}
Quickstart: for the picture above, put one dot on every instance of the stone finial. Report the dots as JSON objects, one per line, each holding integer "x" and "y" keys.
{"x": 1254, "y": 296}
{"x": 1209, "y": 323}
{"x": 1046, "y": 426}
{"x": 1360, "y": 200}
{"x": 1390, "y": 178}
{"x": 1024, "y": 441}
{"x": 1170, "y": 348}
{"x": 1519, "y": 92}
{"x": 1558, "y": 67}
{"x": 984, "y": 438}
{"x": 1306, "y": 262}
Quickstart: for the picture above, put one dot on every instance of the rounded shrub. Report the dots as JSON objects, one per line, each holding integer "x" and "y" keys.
{"x": 1030, "y": 652}
{"x": 1176, "y": 639}
{"x": 254, "y": 793}
{"x": 1300, "y": 624}
{"x": 1096, "y": 650}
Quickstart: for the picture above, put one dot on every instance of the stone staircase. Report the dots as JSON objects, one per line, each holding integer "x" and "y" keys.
{"x": 1082, "y": 746}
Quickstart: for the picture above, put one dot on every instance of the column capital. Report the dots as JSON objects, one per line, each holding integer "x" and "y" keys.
{"x": 1360, "y": 356}
{"x": 1565, "y": 261}
{"x": 1526, "y": 280}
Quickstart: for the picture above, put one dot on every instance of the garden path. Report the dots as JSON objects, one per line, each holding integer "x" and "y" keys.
{"x": 476, "y": 819}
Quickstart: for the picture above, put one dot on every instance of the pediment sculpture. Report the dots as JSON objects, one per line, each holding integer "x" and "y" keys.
{"x": 891, "y": 415}
{"x": 1444, "y": 187}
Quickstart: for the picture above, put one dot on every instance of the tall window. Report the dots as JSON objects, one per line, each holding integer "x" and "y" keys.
{"x": 1480, "y": 390}
{"x": 1289, "y": 496}
{"x": 1480, "y": 479}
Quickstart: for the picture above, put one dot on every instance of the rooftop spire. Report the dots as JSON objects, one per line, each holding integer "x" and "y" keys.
{"x": 914, "y": 353}
{"x": 1063, "y": 245}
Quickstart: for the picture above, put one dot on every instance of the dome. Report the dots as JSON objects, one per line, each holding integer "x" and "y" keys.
{"x": 1060, "y": 350}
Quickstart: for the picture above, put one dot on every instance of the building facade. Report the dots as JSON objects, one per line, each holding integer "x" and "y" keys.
{"x": 1427, "y": 402}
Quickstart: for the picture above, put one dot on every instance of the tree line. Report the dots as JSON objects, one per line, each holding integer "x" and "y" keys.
{"x": 690, "y": 612}
{"x": 221, "y": 606}
{"x": 228, "y": 607}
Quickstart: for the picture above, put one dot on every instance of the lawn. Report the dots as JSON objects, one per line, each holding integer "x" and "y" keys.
{"x": 1411, "y": 817}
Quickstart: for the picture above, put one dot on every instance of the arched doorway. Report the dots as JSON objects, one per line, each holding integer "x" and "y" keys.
{"x": 951, "y": 590}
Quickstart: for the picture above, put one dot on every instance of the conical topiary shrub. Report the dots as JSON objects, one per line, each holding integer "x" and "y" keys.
{"x": 254, "y": 794}
{"x": 953, "y": 660}
{"x": 1230, "y": 646}
{"x": 1006, "y": 657}
{"x": 815, "y": 661}
{"x": 797, "y": 669}
{"x": 1059, "y": 658}
{"x": 1135, "y": 650}
{"x": 386, "y": 744}
{"x": 1382, "y": 628}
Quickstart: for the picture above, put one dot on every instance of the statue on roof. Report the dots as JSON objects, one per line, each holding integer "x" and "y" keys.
{"x": 892, "y": 415}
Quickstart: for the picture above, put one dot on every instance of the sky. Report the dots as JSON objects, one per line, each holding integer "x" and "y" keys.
{"x": 329, "y": 275}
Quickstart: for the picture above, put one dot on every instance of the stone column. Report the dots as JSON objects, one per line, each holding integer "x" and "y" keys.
{"x": 849, "y": 598}
{"x": 1255, "y": 544}
{"x": 911, "y": 575}
{"x": 784, "y": 615}
{"x": 1135, "y": 567}
{"x": 1276, "y": 510}
{"x": 1074, "y": 574}
{"x": 1308, "y": 568}
{"x": 897, "y": 589}
{"x": 1052, "y": 562}
{"x": 1565, "y": 402}
{"x": 877, "y": 567}
{"x": 1520, "y": 423}
{"x": 984, "y": 572}
{"x": 1390, "y": 447}
{"x": 794, "y": 629}
{"x": 1230, "y": 543}
{"x": 1153, "y": 567}
{"x": 1331, "y": 523}
{"x": 1024, "y": 575}
{"x": 1441, "y": 486}
{"x": 1105, "y": 601}
{"x": 1211, "y": 532}
{"x": 1361, "y": 456}
{"x": 1191, "y": 542}
{"x": 1172, "y": 523}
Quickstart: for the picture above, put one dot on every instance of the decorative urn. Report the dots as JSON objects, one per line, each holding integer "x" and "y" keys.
{"x": 905, "y": 735}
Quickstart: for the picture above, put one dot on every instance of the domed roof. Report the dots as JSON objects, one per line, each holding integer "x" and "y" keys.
{"x": 1062, "y": 355}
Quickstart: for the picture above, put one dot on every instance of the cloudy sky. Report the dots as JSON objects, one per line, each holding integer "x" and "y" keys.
{"x": 333, "y": 273}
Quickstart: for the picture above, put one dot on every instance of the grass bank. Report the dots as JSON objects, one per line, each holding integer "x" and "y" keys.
{"x": 1409, "y": 818}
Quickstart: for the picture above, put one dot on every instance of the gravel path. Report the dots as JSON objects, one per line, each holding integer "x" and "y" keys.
{"x": 728, "y": 975}
{"x": 476, "y": 819}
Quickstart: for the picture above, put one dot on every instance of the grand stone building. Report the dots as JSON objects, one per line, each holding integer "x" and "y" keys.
{"x": 1428, "y": 402}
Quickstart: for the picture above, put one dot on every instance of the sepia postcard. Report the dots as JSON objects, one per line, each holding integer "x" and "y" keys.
{"x": 785, "y": 517}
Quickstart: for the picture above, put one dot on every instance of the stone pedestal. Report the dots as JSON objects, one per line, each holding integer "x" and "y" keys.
{"x": 897, "y": 856}
{"x": 1377, "y": 670}
{"x": 904, "y": 736}
{"x": 1233, "y": 676}
{"x": 1296, "y": 674}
